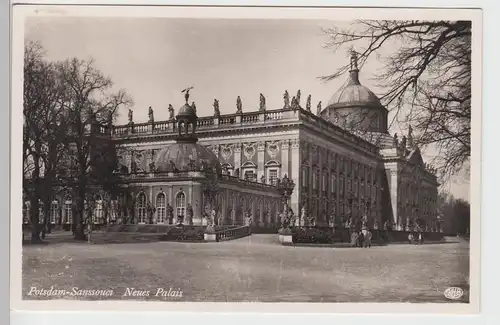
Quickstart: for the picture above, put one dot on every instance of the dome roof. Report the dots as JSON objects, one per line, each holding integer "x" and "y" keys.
{"x": 186, "y": 110}
{"x": 354, "y": 94}
{"x": 187, "y": 156}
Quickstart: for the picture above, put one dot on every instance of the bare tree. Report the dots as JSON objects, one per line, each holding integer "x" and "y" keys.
{"x": 44, "y": 130}
{"x": 91, "y": 103}
{"x": 426, "y": 79}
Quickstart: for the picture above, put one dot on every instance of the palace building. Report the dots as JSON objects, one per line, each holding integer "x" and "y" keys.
{"x": 343, "y": 160}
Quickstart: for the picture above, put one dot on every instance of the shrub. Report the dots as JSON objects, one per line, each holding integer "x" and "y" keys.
{"x": 312, "y": 236}
{"x": 285, "y": 231}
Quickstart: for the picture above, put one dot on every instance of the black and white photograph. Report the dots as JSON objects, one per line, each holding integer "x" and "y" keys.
{"x": 246, "y": 155}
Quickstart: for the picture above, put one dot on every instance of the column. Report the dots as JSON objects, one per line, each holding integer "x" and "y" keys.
{"x": 261, "y": 146}
{"x": 153, "y": 202}
{"x": 237, "y": 158}
{"x": 285, "y": 145}
{"x": 394, "y": 195}
{"x": 294, "y": 175}
{"x": 261, "y": 212}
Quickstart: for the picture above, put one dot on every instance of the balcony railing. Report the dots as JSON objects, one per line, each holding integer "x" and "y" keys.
{"x": 263, "y": 118}
{"x": 233, "y": 233}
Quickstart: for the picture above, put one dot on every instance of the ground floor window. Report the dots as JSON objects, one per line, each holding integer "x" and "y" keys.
{"x": 141, "y": 208}
{"x": 180, "y": 204}
{"x": 68, "y": 211}
{"x": 98, "y": 215}
{"x": 160, "y": 208}
{"x": 54, "y": 211}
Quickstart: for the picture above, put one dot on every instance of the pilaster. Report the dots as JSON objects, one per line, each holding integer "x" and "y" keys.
{"x": 261, "y": 146}
{"x": 285, "y": 146}
{"x": 394, "y": 195}
{"x": 237, "y": 158}
{"x": 294, "y": 174}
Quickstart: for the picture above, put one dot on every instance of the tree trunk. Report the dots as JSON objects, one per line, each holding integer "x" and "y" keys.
{"x": 78, "y": 221}
{"x": 35, "y": 222}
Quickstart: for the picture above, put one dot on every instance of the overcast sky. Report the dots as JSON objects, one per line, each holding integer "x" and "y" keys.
{"x": 155, "y": 58}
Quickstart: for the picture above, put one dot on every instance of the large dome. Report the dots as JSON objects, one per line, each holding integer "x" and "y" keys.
{"x": 354, "y": 94}
{"x": 187, "y": 156}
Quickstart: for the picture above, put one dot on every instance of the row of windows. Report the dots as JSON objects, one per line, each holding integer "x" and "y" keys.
{"x": 161, "y": 207}
{"x": 250, "y": 174}
{"x": 98, "y": 213}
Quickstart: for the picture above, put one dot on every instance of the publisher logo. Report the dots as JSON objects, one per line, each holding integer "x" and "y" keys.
{"x": 454, "y": 293}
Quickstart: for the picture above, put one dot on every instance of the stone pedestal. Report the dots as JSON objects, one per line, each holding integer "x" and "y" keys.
{"x": 286, "y": 239}
{"x": 210, "y": 237}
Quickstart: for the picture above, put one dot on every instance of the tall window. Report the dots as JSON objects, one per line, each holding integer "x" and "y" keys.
{"x": 26, "y": 212}
{"x": 180, "y": 204}
{"x": 68, "y": 211}
{"x": 315, "y": 180}
{"x": 141, "y": 207}
{"x": 273, "y": 176}
{"x": 54, "y": 211}
{"x": 333, "y": 184}
{"x": 160, "y": 208}
{"x": 98, "y": 211}
{"x": 41, "y": 213}
{"x": 325, "y": 182}
{"x": 305, "y": 177}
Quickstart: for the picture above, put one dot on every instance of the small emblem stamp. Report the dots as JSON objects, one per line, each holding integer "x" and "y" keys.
{"x": 454, "y": 293}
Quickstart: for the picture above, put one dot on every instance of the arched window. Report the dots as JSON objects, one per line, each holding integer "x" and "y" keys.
{"x": 160, "y": 208}
{"x": 180, "y": 204}
{"x": 141, "y": 207}
{"x": 98, "y": 214}
{"x": 54, "y": 211}
{"x": 68, "y": 211}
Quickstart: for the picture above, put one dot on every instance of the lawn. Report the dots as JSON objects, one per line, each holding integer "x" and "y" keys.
{"x": 254, "y": 268}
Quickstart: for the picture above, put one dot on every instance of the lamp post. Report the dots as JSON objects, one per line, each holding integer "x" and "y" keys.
{"x": 285, "y": 187}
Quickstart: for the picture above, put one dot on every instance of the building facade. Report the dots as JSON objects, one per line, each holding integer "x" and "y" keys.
{"x": 345, "y": 164}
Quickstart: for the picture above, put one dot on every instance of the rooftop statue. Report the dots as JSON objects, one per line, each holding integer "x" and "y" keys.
{"x": 171, "y": 112}
{"x": 308, "y": 103}
{"x": 395, "y": 140}
{"x": 193, "y": 105}
{"x": 216, "y": 108}
{"x": 318, "y": 108}
{"x": 130, "y": 116}
{"x": 286, "y": 99}
{"x": 294, "y": 102}
{"x": 262, "y": 106}
{"x": 239, "y": 106}
{"x": 354, "y": 59}
{"x": 151, "y": 115}
{"x": 403, "y": 142}
{"x": 186, "y": 93}
{"x": 298, "y": 97}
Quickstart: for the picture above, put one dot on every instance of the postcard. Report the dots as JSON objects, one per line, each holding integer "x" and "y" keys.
{"x": 245, "y": 159}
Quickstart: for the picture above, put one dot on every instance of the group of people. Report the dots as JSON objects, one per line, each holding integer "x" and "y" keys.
{"x": 361, "y": 238}
{"x": 415, "y": 238}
